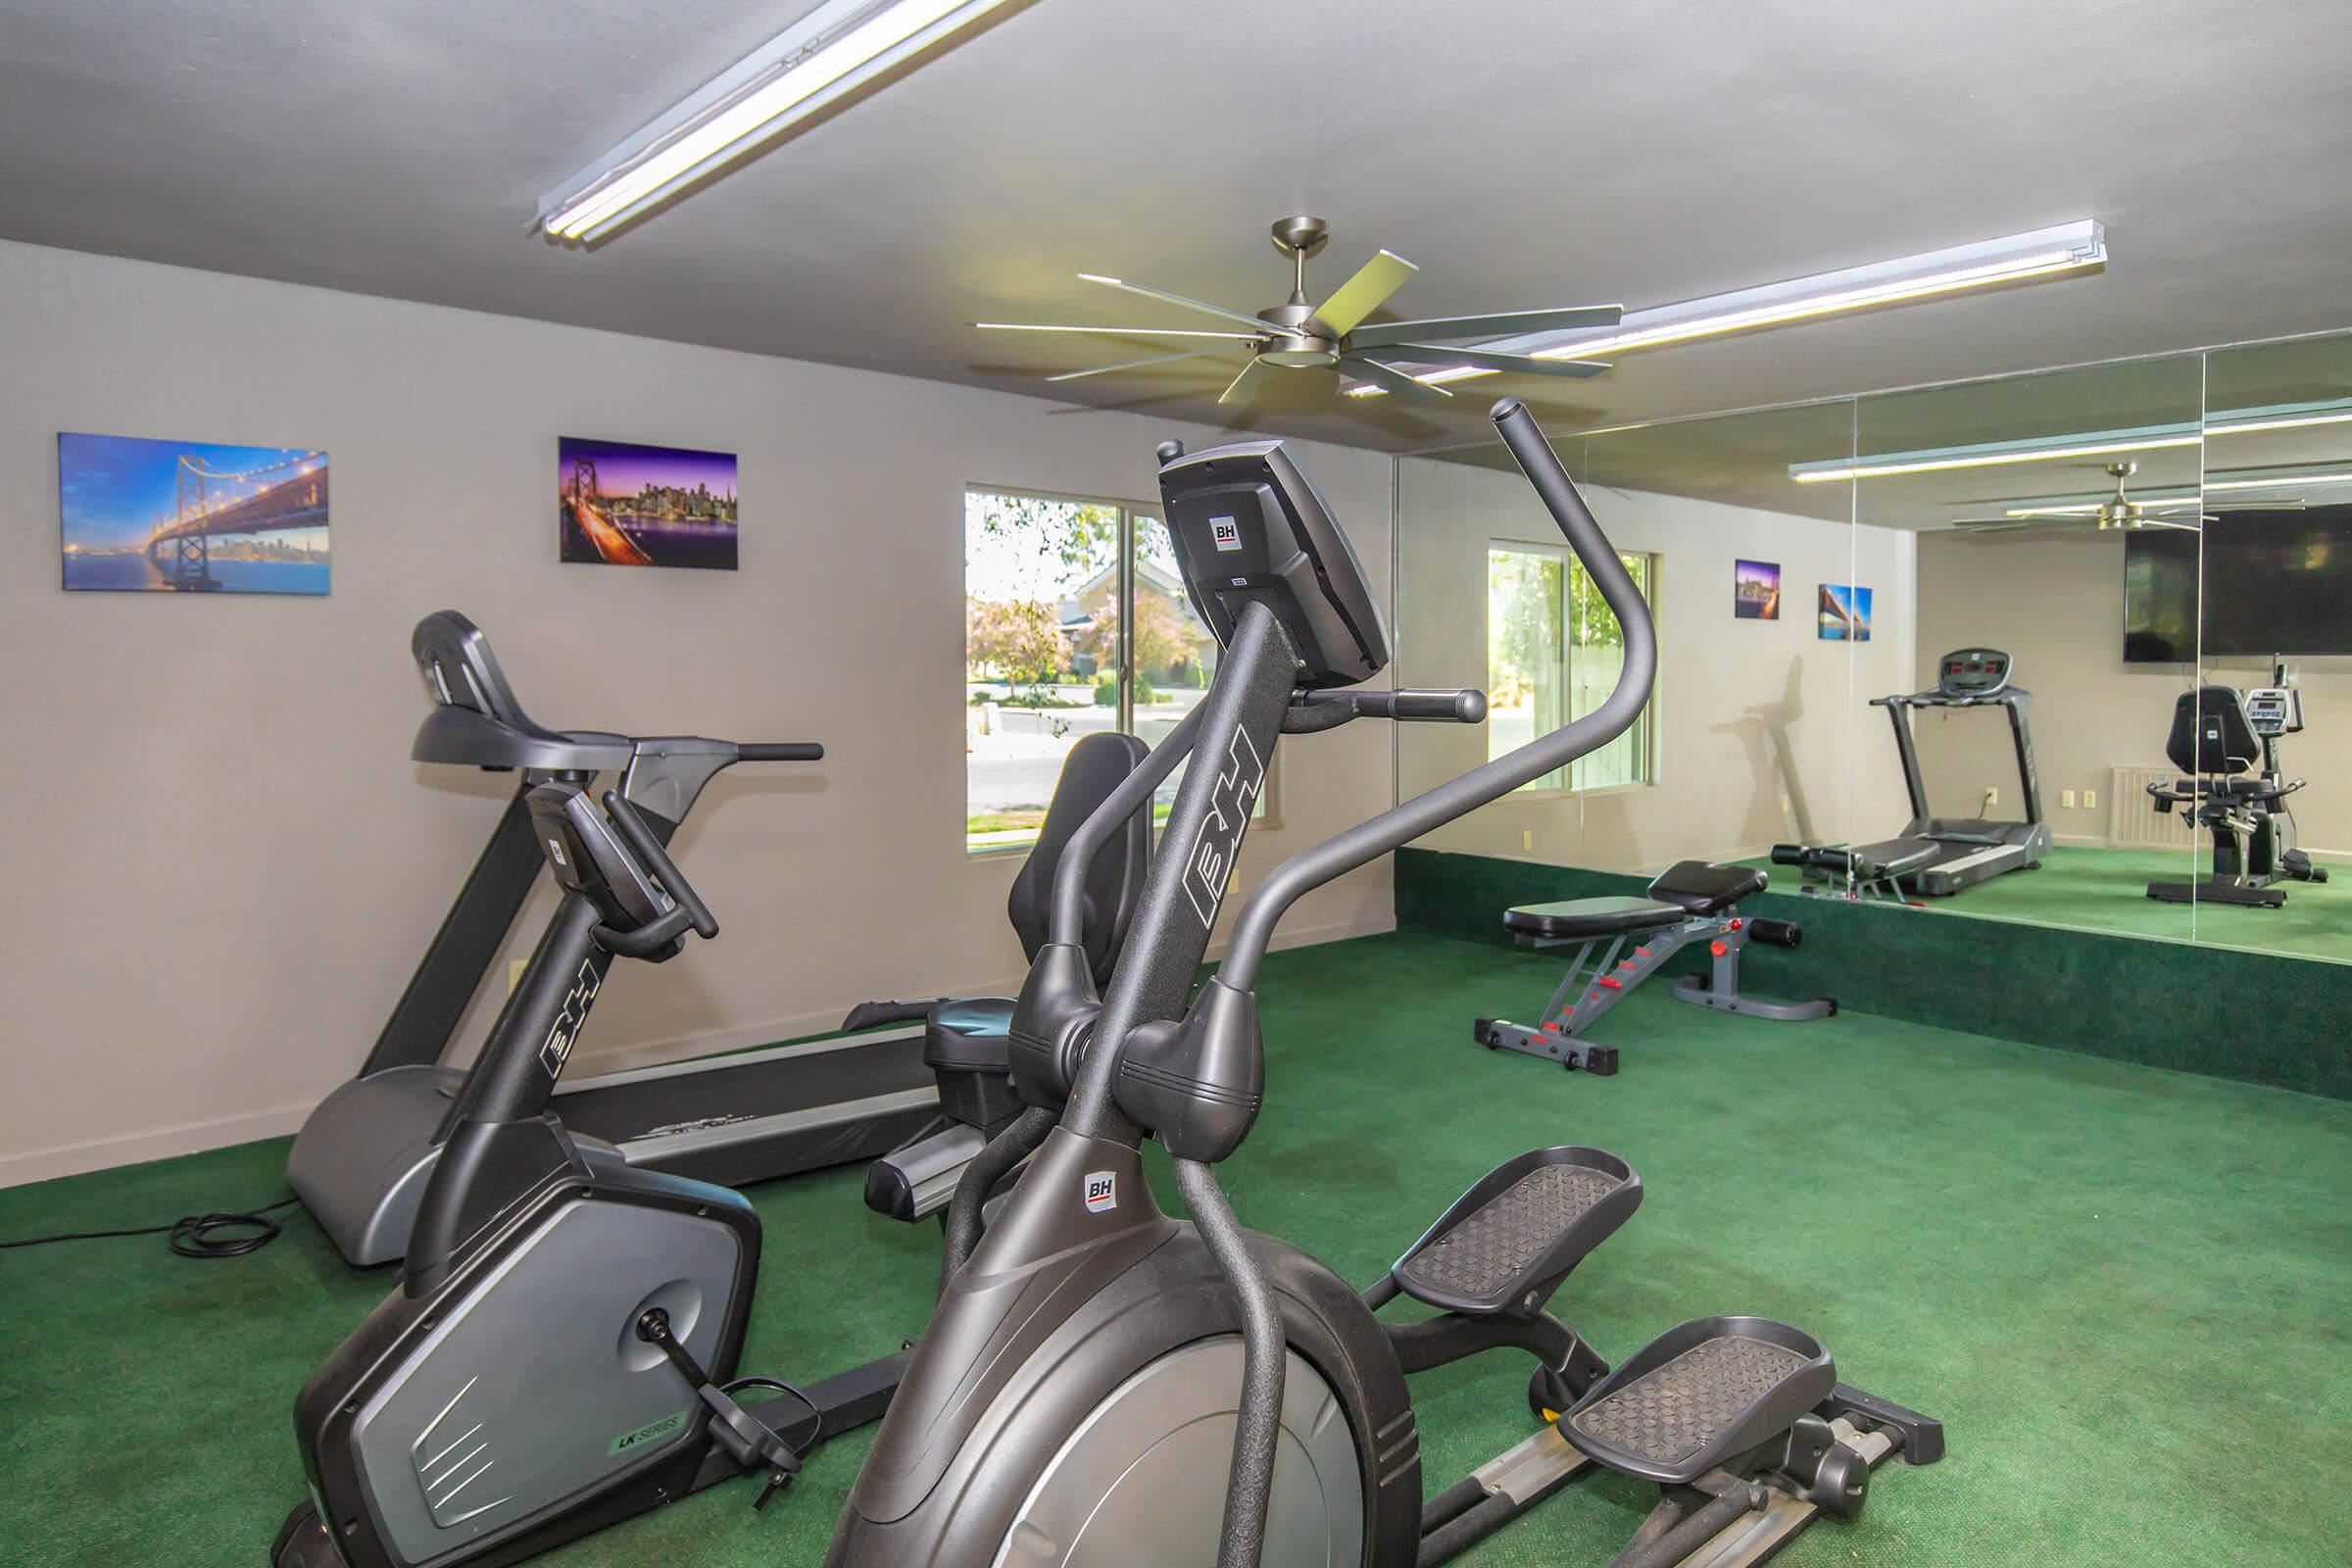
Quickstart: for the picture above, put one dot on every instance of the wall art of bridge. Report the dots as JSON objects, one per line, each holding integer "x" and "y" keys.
{"x": 212, "y": 503}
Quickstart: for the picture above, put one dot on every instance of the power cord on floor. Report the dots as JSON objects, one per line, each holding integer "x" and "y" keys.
{"x": 191, "y": 1235}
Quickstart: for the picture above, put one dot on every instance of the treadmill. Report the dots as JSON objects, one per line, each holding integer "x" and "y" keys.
{"x": 1938, "y": 855}
{"x": 363, "y": 1157}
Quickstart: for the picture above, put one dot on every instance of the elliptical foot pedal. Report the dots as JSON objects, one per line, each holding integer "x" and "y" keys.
{"x": 1519, "y": 1230}
{"x": 1700, "y": 1395}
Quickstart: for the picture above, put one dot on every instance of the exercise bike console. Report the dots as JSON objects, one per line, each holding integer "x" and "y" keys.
{"x": 587, "y": 856}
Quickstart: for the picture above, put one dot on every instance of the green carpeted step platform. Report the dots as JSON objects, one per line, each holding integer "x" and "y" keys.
{"x": 2122, "y": 1288}
{"x": 2107, "y": 890}
{"x": 2198, "y": 1006}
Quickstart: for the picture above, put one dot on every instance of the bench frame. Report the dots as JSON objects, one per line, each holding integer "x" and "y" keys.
{"x": 1601, "y": 973}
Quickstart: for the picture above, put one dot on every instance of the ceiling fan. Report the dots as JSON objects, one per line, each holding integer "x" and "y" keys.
{"x": 2118, "y": 511}
{"x": 1302, "y": 334}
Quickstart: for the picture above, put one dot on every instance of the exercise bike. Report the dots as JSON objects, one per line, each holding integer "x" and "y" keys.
{"x": 1104, "y": 1385}
{"x": 2230, "y": 742}
{"x": 560, "y": 1353}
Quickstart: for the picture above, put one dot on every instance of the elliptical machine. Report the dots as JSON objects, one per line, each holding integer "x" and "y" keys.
{"x": 1104, "y": 1385}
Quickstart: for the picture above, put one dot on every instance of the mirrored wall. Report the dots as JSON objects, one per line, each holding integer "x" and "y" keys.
{"x": 2073, "y": 648}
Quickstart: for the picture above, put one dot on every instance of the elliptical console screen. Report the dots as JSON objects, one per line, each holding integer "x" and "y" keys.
{"x": 1247, "y": 525}
{"x": 1973, "y": 673}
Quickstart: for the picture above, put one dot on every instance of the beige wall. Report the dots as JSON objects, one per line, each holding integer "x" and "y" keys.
{"x": 226, "y": 862}
{"x": 2055, "y": 603}
{"x": 1755, "y": 718}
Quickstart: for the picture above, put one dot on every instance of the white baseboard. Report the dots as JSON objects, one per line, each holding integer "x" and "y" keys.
{"x": 154, "y": 1142}
{"x": 220, "y": 1132}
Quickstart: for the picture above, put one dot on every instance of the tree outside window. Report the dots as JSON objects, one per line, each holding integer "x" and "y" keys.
{"x": 1554, "y": 650}
{"x": 1075, "y": 621}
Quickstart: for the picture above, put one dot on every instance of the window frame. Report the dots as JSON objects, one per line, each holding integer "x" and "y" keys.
{"x": 1648, "y": 719}
{"x": 1128, "y": 512}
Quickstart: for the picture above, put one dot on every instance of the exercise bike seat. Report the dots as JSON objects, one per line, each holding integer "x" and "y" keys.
{"x": 1700, "y": 1395}
{"x": 970, "y": 1034}
{"x": 1519, "y": 1231}
{"x": 1703, "y": 888}
{"x": 1573, "y": 919}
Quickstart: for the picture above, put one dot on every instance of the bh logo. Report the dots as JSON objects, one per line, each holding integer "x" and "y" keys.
{"x": 1225, "y": 533}
{"x": 1101, "y": 1192}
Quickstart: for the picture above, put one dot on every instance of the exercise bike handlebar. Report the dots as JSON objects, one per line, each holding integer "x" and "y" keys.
{"x": 779, "y": 751}
{"x": 668, "y": 927}
{"x": 1254, "y": 928}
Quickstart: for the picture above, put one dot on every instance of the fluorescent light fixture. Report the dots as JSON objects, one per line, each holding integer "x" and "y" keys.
{"x": 2280, "y": 481}
{"x": 2225, "y": 481}
{"x": 2279, "y": 417}
{"x": 2059, "y": 251}
{"x": 2079, "y": 444}
{"x": 1996, "y": 454}
{"x": 829, "y": 53}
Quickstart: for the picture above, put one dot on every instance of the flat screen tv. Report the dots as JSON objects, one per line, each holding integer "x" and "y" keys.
{"x": 2276, "y": 582}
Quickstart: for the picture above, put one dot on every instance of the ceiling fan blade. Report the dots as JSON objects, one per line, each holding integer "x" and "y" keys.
{"x": 2167, "y": 522}
{"x": 2297, "y": 505}
{"x": 2004, "y": 524}
{"x": 1503, "y": 324}
{"x": 1243, "y": 384}
{"x": 1488, "y": 359}
{"x": 1134, "y": 364}
{"x": 1374, "y": 282}
{"x": 1166, "y": 298}
{"x": 1394, "y": 381}
{"x": 1114, "y": 331}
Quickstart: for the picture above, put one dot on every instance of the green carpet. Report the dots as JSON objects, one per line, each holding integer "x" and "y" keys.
{"x": 2107, "y": 890}
{"x": 2122, "y": 1288}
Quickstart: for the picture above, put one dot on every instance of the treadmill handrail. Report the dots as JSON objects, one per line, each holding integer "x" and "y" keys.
{"x": 2008, "y": 695}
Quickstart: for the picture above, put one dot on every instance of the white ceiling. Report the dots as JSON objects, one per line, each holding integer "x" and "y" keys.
{"x": 1523, "y": 152}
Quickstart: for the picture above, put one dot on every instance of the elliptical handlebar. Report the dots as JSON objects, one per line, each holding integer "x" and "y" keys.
{"x": 1068, "y": 925}
{"x": 1314, "y": 711}
{"x": 780, "y": 751}
{"x": 1254, "y": 928}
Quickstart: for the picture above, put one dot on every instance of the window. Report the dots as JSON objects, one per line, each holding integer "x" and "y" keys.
{"x": 1075, "y": 620}
{"x": 1554, "y": 653}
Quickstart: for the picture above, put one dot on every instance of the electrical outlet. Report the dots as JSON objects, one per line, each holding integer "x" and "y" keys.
{"x": 2090, "y": 800}
{"x": 515, "y": 968}
{"x": 1527, "y": 840}
{"x": 2066, "y": 798}
{"x": 1992, "y": 797}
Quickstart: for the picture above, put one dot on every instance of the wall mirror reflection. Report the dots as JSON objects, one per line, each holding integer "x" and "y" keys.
{"x": 2034, "y": 715}
{"x": 2268, "y": 585}
{"x": 1767, "y": 607}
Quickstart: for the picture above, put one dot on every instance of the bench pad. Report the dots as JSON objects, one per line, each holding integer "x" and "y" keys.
{"x": 1571, "y": 920}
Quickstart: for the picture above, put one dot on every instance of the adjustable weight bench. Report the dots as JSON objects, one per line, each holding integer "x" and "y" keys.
{"x": 1863, "y": 870}
{"x": 1690, "y": 901}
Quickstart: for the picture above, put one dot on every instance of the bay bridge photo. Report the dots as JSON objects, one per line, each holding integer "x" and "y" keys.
{"x": 142, "y": 516}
